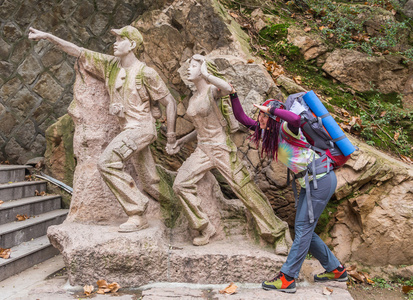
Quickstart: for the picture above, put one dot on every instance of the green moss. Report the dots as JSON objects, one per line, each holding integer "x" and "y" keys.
{"x": 326, "y": 217}
{"x": 170, "y": 207}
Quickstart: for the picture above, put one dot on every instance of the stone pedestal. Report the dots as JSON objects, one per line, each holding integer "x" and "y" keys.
{"x": 93, "y": 252}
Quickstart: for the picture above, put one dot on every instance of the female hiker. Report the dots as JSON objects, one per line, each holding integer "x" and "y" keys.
{"x": 272, "y": 119}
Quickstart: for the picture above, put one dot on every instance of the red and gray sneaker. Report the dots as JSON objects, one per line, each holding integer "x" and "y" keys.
{"x": 339, "y": 274}
{"x": 280, "y": 283}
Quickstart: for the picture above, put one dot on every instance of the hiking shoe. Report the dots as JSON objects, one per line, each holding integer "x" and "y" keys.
{"x": 280, "y": 283}
{"x": 339, "y": 274}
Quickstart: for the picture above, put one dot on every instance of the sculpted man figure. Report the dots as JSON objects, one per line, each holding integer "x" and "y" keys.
{"x": 134, "y": 90}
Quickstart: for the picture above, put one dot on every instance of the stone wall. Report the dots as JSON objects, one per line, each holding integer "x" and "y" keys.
{"x": 36, "y": 79}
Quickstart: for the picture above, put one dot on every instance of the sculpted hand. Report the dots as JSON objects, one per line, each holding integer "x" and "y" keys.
{"x": 36, "y": 35}
{"x": 262, "y": 108}
{"x": 204, "y": 70}
{"x": 175, "y": 148}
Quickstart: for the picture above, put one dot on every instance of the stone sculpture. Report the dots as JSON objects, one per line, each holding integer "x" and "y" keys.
{"x": 135, "y": 91}
{"x": 216, "y": 150}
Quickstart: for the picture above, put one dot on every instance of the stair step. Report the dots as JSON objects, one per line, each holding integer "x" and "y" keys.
{"x": 12, "y": 234}
{"x": 26, "y": 255}
{"x": 17, "y": 190}
{"x": 31, "y": 206}
{"x": 12, "y": 173}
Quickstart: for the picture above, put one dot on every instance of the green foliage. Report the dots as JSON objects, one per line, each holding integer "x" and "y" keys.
{"x": 326, "y": 216}
{"x": 275, "y": 37}
{"x": 382, "y": 283}
{"x": 341, "y": 25}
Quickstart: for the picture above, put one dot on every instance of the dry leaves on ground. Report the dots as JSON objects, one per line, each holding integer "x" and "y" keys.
{"x": 1, "y": 202}
{"x": 407, "y": 288}
{"x": 327, "y": 291}
{"x": 104, "y": 287}
{"x": 88, "y": 289}
{"x": 406, "y": 159}
{"x": 274, "y": 69}
{"x": 22, "y": 217}
{"x": 37, "y": 193}
{"x": 5, "y": 253}
{"x": 229, "y": 290}
{"x": 359, "y": 276}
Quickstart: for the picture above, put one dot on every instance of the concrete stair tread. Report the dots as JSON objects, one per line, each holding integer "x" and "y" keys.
{"x": 26, "y": 248}
{"x": 19, "y": 225}
{"x": 20, "y": 183}
{"x": 24, "y": 201}
{"x": 14, "y": 167}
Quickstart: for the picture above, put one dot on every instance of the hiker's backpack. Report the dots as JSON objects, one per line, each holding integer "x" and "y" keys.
{"x": 322, "y": 132}
{"x": 323, "y": 135}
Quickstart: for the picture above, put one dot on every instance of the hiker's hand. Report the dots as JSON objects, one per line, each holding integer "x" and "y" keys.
{"x": 36, "y": 35}
{"x": 263, "y": 108}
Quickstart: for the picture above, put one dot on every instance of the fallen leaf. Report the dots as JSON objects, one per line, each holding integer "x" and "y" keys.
{"x": 229, "y": 289}
{"x": 307, "y": 29}
{"x": 327, "y": 291}
{"x": 383, "y": 113}
{"x": 396, "y": 135}
{"x": 37, "y": 193}
{"x": 407, "y": 288}
{"x": 406, "y": 159}
{"x": 5, "y": 253}
{"x": 250, "y": 61}
{"x": 297, "y": 79}
{"x": 344, "y": 112}
{"x": 22, "y": 217}
{"x": 358, "y": 276}
{"x": 293, "y": 16}
{"x": 88, "y": 289}
{"x": 114, "y": 287}
{"x": 234, "y": 15}
{"x": 1, "y": 202}
{"x": 322, "y": 27}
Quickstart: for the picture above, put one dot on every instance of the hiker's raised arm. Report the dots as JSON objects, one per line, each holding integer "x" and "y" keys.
{"x": 68, "y": 47}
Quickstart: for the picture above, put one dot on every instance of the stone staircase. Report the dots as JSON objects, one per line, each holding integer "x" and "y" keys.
{"x": 27, "y": 239}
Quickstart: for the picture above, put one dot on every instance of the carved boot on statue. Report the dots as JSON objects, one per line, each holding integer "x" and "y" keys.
{"x": 134, "y": 223}
{"x": 283, "y": 244}
{"x": 206, "y": 234}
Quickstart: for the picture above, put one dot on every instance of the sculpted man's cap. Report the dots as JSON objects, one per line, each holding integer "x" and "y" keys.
{"x": 129, "y": 32}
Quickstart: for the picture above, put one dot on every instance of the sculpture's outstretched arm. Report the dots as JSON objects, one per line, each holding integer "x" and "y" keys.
{"x": 185, "y": 139}
{"x": 170, "y": 105}
{"x": 222, "y": 88}
{"x": 65, "y": 46}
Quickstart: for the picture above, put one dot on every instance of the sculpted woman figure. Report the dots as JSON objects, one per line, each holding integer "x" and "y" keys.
{"x": 216, "y": 150}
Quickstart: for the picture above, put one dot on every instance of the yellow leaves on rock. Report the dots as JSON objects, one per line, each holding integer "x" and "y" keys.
{"x": 250, "y": 61}
{"x": 22, "y": 217}
{"x": 37, "y": 193}
{"x": 103, "y": 287}
{"x": 229, "y": 290}
{"x": 274, "y": 69}
{"x": 5, "y": 253}
{"x": 359, "y": 276}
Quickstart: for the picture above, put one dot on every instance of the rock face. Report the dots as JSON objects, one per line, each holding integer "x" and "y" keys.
{"x": 374, "y": 226}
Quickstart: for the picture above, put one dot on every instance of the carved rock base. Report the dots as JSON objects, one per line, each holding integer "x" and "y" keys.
{"x": 93, "y": 252}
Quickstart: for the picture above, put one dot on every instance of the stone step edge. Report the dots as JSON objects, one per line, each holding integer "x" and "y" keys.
{"x": 14, "y": 167}
{"x": 19, "y": 251}
{"x": 20, "y": 225}
{"x": 20, "y": 184}
{"x": 24, "y": 201}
